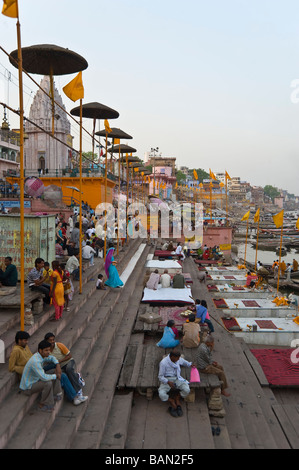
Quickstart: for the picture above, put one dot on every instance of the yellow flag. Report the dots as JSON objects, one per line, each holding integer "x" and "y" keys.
{"x": 195, "y": 174}
{"x": 136, "y": 169}
{"x": 176, "y": 185}
{"x": 227, "y": 176}
{"x": 246, "y": 216}
{"x": 107, "y": 127}
{"x": 297, "y": 224}
{"x": 212, "y": 175}
{"x": 278, "y": 219}
{"x": 116, "y": 141}
{"x": 10, "y": 8}
{"x": 257, "y": 216}
{"x": 75, "y": 90}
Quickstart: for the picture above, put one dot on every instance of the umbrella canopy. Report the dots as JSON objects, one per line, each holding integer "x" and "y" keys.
{"x": 115, "y": 134}
{"x": 122, "y": 149}
{"x": 49, "y": 59}
{"x": 95, "y": 111}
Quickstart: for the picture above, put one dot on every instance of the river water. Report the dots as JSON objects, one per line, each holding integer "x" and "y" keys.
{"x": 264, "y": 256}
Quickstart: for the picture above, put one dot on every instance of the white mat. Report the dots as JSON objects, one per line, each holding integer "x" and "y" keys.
{"x": 165, "y": 264}
{"x": 132, "y": 263}
{"x": 167, "y": 295}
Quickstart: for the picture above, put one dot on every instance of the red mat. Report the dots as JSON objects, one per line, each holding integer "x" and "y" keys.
{"x": 238, "y": 288}
{"x": 220, "y": 303}
{"x": 172, "y": 313}
{"x": 250, "y": 303}
{"x": 266, "y": 324}
{"x": 278, "y": 366}
{"x": 231, "y": 323}
{"x": 212, "y": 288}
{"x": 229, "y": 277}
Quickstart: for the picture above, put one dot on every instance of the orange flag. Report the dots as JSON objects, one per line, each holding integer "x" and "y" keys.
{"x": 10, "y": 8}
{"x": 75, "y": 90}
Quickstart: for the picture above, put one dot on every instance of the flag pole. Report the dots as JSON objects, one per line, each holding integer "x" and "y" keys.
{"x": 257, "y": 241}
{"x": 106, "y": 174}
{"x": 22, "y": 251}
{"x": 246, "y": 242}
{"x": 279, "y": 258}
{"x": 226, "y": 199}
{"x": 80, "y": 201}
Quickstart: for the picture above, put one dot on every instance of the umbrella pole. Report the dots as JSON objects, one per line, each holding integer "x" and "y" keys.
{"x": 52, "y": 99}
{"x": 127, "y": 202}
{"x": 106, "y": 173}
{"x": 22, "y": 271}
{"x": 246, "y": 243}
{"x": 118, "y": 199}
{"x": 80, "y": 202}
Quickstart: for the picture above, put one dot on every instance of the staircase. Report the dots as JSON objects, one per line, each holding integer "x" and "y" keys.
{"x": 96, "y": 330}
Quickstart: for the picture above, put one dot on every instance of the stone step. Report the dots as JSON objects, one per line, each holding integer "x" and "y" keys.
{"x": 92, "y": 304}
{"x": 115, "y": 433}
{"x": 63, "y": 432}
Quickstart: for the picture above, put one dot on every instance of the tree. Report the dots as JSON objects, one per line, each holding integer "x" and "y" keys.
{"x": 180, "y": 177}
{"x": 271, "y": 192}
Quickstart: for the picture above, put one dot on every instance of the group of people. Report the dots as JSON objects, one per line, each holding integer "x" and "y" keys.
{"x": 284, "y": 268}
{"x": 154, "y": 279}
{"x": 209, "y": 253}
{"x": 47, "y": 372}
{"x": 173, "y": 387}
{"x": 54, "y": 282}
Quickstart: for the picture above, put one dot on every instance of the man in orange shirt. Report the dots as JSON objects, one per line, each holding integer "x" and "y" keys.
{"x": 67, "y": 364}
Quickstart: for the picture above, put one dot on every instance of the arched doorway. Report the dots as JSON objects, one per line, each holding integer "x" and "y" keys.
{"x": 42, "y": 163}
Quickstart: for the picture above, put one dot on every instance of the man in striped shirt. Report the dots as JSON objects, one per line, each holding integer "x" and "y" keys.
{"x": 34, "y": 379}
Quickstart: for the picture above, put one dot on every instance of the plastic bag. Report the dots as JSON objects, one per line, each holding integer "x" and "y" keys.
{"x": 194, "y": 375}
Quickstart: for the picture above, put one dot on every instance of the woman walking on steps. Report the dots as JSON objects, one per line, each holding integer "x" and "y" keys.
{"x": 111, "y": 271}
{"x": 57, "y": 289}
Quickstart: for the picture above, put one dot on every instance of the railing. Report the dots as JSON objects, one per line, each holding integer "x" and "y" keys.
{"x": 86, "y": 172}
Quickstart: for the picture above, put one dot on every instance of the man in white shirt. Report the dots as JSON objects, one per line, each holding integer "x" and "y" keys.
{"x": 165, "y": 279}
{"x": 72, "y": 266}
{"x": 170, "y": 379}
{"x": 179, "y": 252}
{"x": 88, "y": 253}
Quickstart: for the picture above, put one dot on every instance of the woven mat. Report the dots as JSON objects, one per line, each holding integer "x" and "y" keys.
{"x": 231, "y": 324}
{"x": 266, "y": 324}
{"x": 229, "y": 277}
{"x": 172, "y": 313}
{"x": 238, "y": 288}
{"x": 220, "y": 303}
{"x": 250, "y": 303}
{"x": 278, "y": 366}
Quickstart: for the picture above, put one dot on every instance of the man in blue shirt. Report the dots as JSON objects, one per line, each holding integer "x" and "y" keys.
{"x": 202, "y": 314}
{"x": 34, "y": 378}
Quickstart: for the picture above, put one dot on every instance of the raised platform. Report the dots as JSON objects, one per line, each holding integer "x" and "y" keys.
{"x": 253, "y": 308}
{"x": 237, "y": 292}
{"x": 282, "y": 333}
{"x": 237, "y": 279}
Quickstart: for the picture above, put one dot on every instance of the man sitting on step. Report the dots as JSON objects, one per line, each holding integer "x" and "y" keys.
{"x": 206, "y": 365}
{"x": 171, "y": 380}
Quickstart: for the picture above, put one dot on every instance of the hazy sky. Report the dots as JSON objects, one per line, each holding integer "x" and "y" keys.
{"x": 208, "y": 82}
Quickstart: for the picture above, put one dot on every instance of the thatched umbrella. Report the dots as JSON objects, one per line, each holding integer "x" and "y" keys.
{"x": 49, "y": 59}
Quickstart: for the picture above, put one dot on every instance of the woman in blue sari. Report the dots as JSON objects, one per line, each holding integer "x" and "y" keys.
{"x": 111, "y": 271}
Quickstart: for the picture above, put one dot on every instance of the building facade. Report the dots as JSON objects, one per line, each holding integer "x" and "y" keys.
{"x": 41, "y": 151}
